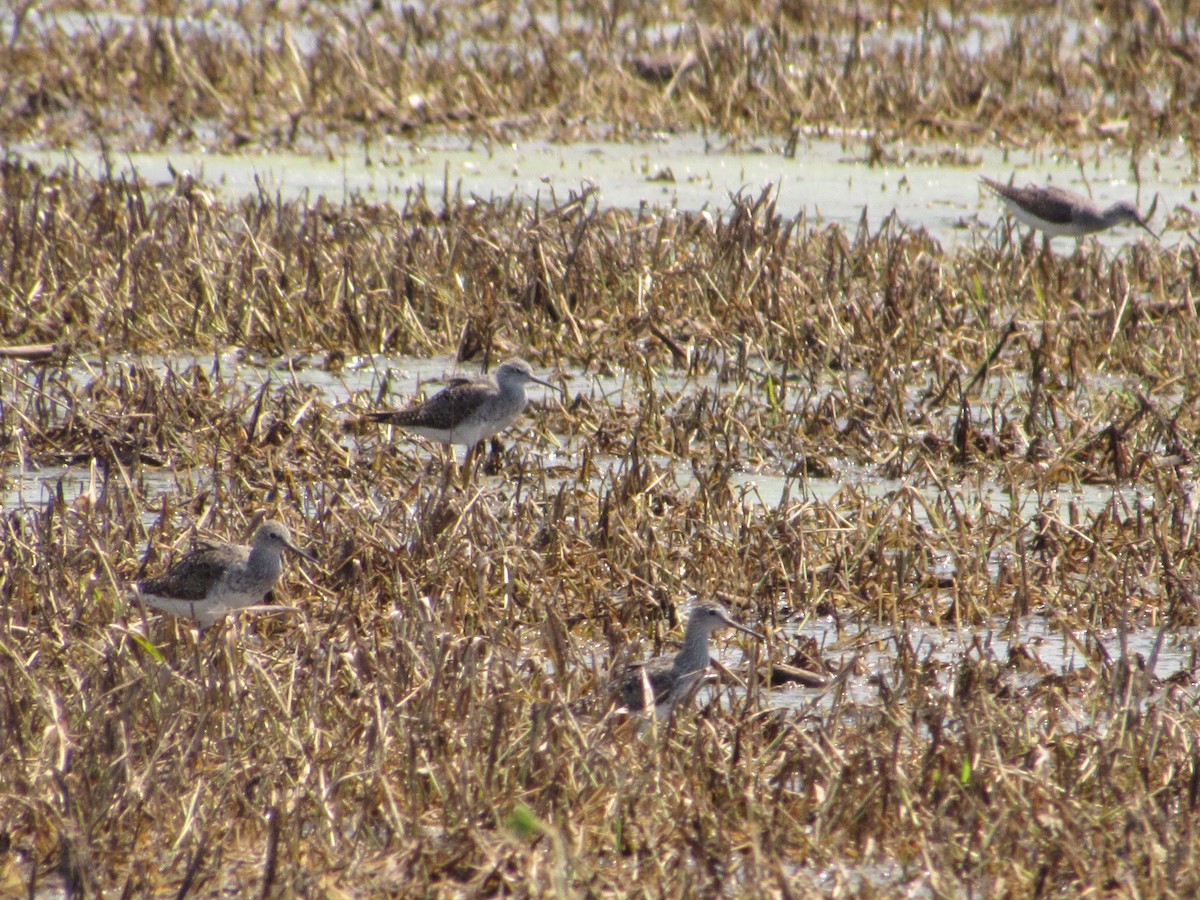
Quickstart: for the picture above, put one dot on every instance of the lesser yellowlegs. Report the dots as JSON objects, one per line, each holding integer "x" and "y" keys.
{"x": 207, "y": 584}
{"x": 1059, "y": 213}
{"x": 668, "y": 679}
{"x": 467, "y": 411}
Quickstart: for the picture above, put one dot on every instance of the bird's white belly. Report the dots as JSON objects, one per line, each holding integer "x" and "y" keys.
{"x": 1052, "y": 229}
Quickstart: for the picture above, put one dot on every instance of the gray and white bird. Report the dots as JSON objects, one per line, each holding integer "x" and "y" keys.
{"x": 1059, "y": 213}
{"x": 669, "y": 679}
{"x": 211, "y": 582}
{"x": 467, "y": 411}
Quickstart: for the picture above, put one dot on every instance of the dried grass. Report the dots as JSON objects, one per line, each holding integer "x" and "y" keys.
{"x": 414, "y": 729}
{"x": 204, "y": 73}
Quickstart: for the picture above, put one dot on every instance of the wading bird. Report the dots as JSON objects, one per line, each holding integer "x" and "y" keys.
{"x": 1059, "y": 213}
{"x": 211, "y": 582}
{"x": 666, "y": 680}
{"x": 467, "y": 411}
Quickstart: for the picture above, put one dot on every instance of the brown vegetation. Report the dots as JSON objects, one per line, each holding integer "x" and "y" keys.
{"x": 1004, "y": 585}
{"x": 409, "y": 731}
{"x": 198, "y": 73}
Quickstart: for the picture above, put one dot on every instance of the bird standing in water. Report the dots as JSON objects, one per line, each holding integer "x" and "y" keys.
{"x": 666, "y": 680}
{"x": 467, "y": 411}
{"x": 1059, "y": 213}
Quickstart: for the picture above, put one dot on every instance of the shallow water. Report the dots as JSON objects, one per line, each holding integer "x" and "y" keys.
{"x": 1054, "y": 650}
{"x": 359, "y": 381}
{"x": 828, "y": 180}
{"x": 28, "y": 487}
{"x": 1044, "y": 648}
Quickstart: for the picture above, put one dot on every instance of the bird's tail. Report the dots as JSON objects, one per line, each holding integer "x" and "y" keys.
{"x": 386, "y": 417}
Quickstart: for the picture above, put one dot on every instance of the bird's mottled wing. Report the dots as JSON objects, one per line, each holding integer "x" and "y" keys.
{"x": 191, "y": 577}
{"x": 1054, "y": 205}
{"x": 1049, "y": 203}
{"x": 658, "y": 673}
{"x": 445, "y": 409}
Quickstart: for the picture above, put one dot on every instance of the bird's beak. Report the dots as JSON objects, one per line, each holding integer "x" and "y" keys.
{"x": 300, "y": 552}
{"x": 1144, "y": 221}
{"x": 743, "y": 629}
{"x": 553, "y": 387}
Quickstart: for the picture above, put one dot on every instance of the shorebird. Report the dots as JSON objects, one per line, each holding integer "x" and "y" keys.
{"x": 669, "y": 679}
{"x": 211, "y": 582}
{"x": 467, "y": 411}
{"x": 1059, "y": 213}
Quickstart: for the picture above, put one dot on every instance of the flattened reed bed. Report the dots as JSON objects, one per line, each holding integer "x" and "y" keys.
{"x": 887, "y": 351}
{"x": 413, "y": 726}
{"x": 413, "y": 729}
{"x": 119, "y": 265}
{"x": 195, "y": 447}
{"x": 210, "y": 75}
